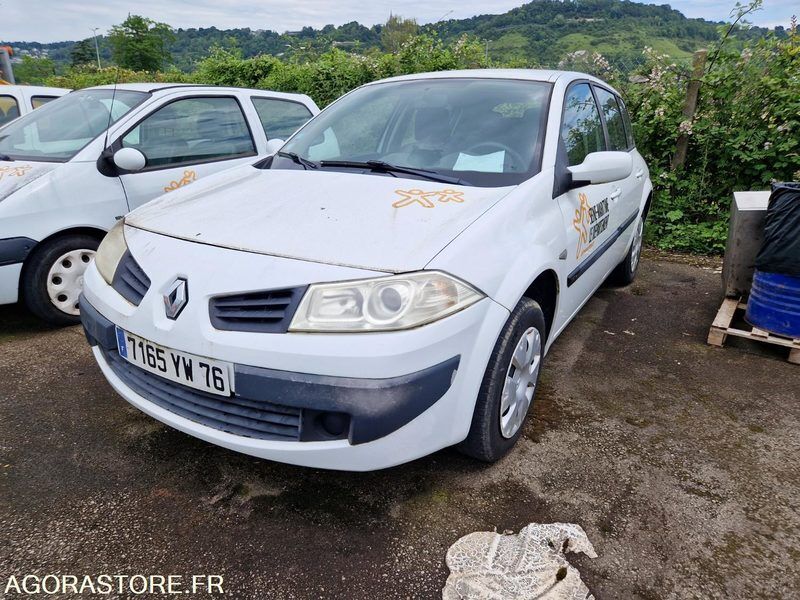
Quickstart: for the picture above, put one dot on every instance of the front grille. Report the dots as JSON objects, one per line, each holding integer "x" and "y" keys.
{"x": 130, "y": 280}
{"x": 235, "y": 415}
{"x": 261, "y": 312}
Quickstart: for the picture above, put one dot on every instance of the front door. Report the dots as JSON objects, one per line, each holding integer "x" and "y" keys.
{"x": 590, "y": 212}
{"x": 183, "y": 141}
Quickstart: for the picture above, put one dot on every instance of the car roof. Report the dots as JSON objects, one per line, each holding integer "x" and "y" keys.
{"x": 35, "y": 89}
{"x": 153, "y": 88}
{"x": 547, "y": 75}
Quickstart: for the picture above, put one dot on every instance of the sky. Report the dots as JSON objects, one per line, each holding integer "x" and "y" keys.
{"x": 58, "y": 20}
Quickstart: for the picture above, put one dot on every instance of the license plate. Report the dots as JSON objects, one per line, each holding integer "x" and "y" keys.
{"x": 191, "y": 370}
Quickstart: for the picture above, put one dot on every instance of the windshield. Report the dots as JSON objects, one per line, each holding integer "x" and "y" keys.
{"x": 59, "y": 129}
{"x": 485, "y": 132}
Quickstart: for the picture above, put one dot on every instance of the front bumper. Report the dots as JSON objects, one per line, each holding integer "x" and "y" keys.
{"x": 13, "y": 252}
{"x": 402, "y": 395}
{"x": 269, "y": 404}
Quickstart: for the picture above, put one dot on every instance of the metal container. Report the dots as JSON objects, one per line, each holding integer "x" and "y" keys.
{"x": 745, "y": 236}
{"x": 774, "y": 304}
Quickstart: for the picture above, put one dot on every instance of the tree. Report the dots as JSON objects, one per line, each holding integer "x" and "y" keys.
{"x": 140, "y": 43}
{"x": 396, "y": 31}
{"x": 83, "y": 53}
{"x": 34, "y": 71}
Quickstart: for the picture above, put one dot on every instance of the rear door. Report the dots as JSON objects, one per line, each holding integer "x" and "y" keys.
{"x": 626, "y": 194}
{"x": 589, "y": 212}
{"x": 185, "y": 139}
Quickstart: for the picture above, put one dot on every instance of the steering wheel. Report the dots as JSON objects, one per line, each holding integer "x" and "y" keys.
{"x": 515, "y": 156}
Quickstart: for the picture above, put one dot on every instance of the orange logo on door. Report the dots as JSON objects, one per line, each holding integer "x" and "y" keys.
{"x": 188, "y": 177}
{"x": 590, "y": 222}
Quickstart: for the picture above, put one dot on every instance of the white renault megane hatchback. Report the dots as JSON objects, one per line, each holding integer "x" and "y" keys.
{"x": 388, "y": 283}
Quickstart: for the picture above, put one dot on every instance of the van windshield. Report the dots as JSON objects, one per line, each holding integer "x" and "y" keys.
{"x": 59, "y": 129}
{"x": 483, "y": 132}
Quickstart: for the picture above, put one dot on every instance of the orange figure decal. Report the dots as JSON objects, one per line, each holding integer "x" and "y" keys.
{"x": 426, "y": 199}
{"x": 15, "y": 171}
{"x": 581, "y": 224}
{"x": 188, "y": 177}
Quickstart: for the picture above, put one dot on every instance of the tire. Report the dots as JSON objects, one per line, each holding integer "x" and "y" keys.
{"x": 53, "y": 278}
{"x": 625, "y": 272}
{"x": 493, "y": 433}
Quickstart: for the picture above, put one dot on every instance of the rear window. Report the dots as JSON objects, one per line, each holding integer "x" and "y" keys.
{"x": 626, "y": 119}
{"x": 280, "y": 118}
{"x": 617, "y": 134}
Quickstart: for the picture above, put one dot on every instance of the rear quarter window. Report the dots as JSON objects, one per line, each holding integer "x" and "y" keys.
{"x": 37, "y": 101}
{"x": 280, "y": 118}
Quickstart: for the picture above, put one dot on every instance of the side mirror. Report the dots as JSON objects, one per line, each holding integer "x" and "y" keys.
{"x": 129, "y": 159}
{"x": 274, "y": 145}
{"x": 601, "y": 167}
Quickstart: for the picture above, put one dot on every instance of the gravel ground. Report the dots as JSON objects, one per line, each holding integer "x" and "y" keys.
{"x": 679, "y": 460}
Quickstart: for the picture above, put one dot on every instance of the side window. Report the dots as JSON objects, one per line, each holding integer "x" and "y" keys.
{"x": 192, "y": 130}
{"x": 626, "y": 118}
{"x": 37, "y": 101}
{"x": 617, "y": 138}
{"x": 9, "y": 109}
{"x": 581, "y": 128}
{"x": 280, "y": 118}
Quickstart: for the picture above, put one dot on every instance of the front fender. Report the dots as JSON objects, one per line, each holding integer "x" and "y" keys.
{"x": 510, "y": 245}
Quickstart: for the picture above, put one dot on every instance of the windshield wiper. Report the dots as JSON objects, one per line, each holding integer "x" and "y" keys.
{"x": 304, "y": 162}
{"x": 6, "y": 157}
{"x": 380, "y": 165}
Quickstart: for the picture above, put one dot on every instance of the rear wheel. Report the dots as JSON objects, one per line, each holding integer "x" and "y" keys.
{"x": 53, "y": 278}
{"x": 625, "y": 272}
{"x": 509, "y": 384}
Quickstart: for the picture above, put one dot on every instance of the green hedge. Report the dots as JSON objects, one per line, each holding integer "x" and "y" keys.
{"x": 745, "y": 134}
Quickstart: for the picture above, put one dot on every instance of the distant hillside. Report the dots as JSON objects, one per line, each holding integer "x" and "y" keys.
{"x": 541, "y": 32}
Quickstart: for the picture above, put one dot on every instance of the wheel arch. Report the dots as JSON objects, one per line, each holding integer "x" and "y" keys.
{"x": 544, "y": 289}
{"x": 95, "y": 232}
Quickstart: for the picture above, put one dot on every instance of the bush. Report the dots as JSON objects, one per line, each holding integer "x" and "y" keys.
{"x": 744, "y": 135}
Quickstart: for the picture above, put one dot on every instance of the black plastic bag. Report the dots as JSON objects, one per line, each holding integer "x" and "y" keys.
{"x": 780, "y": 252}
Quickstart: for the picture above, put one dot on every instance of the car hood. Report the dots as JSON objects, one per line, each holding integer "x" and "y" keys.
{"x": 15, "y": 175}
{"x": 360, "y": 220}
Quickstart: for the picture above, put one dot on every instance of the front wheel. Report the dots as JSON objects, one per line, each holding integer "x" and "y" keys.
{"x": 625, "y": 272}
{"x": 53, "y": 278}
{"x": 509, "y": 384}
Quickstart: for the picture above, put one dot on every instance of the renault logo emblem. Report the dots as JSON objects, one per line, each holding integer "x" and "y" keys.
{"x": 176, "y": 298}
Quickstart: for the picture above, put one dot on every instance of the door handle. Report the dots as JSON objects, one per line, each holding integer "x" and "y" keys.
{"x": 616, "y": 194}
{"x": 639, "y": 173}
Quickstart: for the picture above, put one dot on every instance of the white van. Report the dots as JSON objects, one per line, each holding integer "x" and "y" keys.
{"x": 71, "y": 169}
{"x": 17, "y": 100}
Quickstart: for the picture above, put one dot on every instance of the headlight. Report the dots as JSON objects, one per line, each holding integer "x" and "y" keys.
{"x": 384, "y": 304}
{"x": 110, "y": 252}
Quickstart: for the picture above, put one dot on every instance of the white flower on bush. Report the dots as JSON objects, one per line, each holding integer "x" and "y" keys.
{"x": 660, "y": 111}
{"x": 767, "y": 145}
{"x": 685, "y": 127}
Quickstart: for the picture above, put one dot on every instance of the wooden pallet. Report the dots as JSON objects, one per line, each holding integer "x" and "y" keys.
{"x": 721, "y": 329}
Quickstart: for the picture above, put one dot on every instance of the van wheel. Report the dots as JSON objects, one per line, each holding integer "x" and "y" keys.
{"x": 53, "y": 278}
{"x": 509, "y": 384}
{"x": 625, "y": 272}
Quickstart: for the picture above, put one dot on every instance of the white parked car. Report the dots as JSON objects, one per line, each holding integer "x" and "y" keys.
{"x": 71, "y": 169}
{"x": 17, "y": 100}
{"x": 388, "y": 283}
